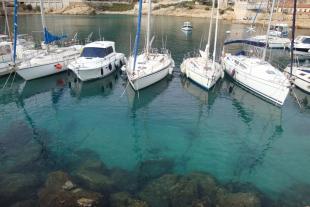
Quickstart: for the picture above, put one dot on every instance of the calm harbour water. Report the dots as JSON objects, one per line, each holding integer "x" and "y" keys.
{"x": 234, "y": 136}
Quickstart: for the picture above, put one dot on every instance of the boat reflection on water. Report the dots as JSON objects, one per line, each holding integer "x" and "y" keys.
{"x": 249, "y": 105}
{"x": 54, "y": 84}
{"x": 256, "y": 113}
{"x": 98, "y": 87}
{"x": 303, "y": 98}
{"x": 206, "y": 97}
{"x": 142, "y": 98}
{"x": 188, "y": 34}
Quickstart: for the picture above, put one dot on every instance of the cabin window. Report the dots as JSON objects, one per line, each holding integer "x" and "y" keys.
{"x": 93, "y": 52}
{"x": 306, "y": 40}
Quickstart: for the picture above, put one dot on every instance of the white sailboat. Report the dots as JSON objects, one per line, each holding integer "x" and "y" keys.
{"x": 151, "y": 65}
{"x": 24, "y": 48}
{"x": 256, "y": 74}
{"x": 52, "y": 61}
{"x": 97, "y": 60}
{"x": 203, "y": 70}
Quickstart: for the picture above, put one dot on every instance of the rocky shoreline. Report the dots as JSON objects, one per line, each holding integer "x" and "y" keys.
{"x": 181, "y": 10}
{"x": 32, "y": 175}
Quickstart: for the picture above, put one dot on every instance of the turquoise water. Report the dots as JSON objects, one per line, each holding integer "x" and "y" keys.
{"x": 230, "y": 134}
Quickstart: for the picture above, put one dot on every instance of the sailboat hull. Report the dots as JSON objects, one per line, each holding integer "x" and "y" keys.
{"x": 262, "y": 80}
{"x": 150, "y": 79}
{"x": 40, "y": 71}
{"x": 149, "y": 69}
{"x": 205, "y": 76}
{"x": 300, "y": 77}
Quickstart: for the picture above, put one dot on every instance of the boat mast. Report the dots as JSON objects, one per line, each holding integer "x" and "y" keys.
{"x": 269, "y": 24}
{"x": 136, "y": 47}
{"x": 210, "y": 30}
{"x": 15, "y": 30}
{"x": 293, "y": 36}
{"x": 42, "y": 14}
{"x": 148, "y": 26}
{"x": 6, "y": 19}
{"x": 215, "y": 35}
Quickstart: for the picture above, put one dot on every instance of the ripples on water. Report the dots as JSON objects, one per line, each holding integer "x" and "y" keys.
{"x": 110, "y": 139}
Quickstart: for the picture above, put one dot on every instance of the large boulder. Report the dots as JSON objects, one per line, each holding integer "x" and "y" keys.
{"x": 195, "y": 189}
{"x": 123, "y": 180}
{"x": 123, "y": 199}
{"x": 60, "y": 191}
{"x": 227, "y": 199}
{"x": 150, "y": 169}
{"x": 17, "y": 186}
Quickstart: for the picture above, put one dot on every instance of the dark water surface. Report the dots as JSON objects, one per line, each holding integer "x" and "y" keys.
{"x": 110, "y": 140}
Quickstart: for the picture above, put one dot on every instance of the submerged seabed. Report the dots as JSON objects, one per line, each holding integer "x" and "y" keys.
{"x": 67, "y": 143}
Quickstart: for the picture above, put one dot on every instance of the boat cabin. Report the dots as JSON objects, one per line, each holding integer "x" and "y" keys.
{"x": 303, "y": 39}
{"x": 99, "y": 49}
{"x": 187, "y": 26}
{"x": 279, "y": 30}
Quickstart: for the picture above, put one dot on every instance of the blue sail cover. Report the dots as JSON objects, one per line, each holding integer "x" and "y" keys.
{"x": 48, "y": 37}
{"x": 136, "y": 47}
{"x": 248, "y": 42}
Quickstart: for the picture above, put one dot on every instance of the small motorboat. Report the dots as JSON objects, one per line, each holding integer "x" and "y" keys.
{"x": 277, "y": 37}
{"x": 274, "y": 42}
{"x": 97, "y": 60}
{"x": 187, "y": 26}
{"x": 302, "y": 45}
{"x": 300, "y": 75}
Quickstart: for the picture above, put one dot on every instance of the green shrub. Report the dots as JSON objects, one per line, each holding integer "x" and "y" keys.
{"x": 207, "y": 8}
{"x": 222, "y": 11}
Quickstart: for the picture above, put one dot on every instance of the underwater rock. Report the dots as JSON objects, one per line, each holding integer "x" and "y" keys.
{"x": 194, "y": 189}
{"x": 295, "y": 195}
{"x": 151, "y": 169}
{"x": 225, "y": 198}
{"x": 68, "y": 185}
{"x": 123, "y": 180}
{"x": 17, "y": 186}
{"x": 93, "y": 180}
{"x": 158, "y": 192}
{"x": 54, "y": 195}
{"x": 123, "y": 199}
{"x": 20, "y": 150}
{"x": 86, "y": 202}
{"x": 26, "y": 203}
{"x": 91, "y": 172}
{"x": 86, "y": 159}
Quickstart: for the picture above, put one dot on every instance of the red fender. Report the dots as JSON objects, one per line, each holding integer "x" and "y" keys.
{"x": 58, "y": 66}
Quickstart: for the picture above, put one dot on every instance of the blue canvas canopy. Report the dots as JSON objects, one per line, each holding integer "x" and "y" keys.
{"x": 243, "y": 41}
{"x": 48, "y": 37}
